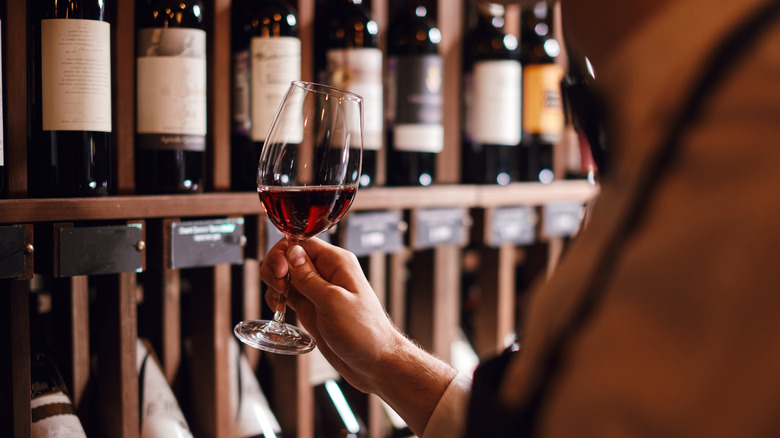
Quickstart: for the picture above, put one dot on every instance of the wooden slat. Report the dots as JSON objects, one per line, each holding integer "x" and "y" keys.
{"x": 15, "y": 89}
{"x": 123, "y": 108}
{"x": 210, "y": 320}
{"x": 117, "y": 384}
{"x": 167, "y": 291}
{"x": 446, "y": 298}
{"x": 379, "y": 15}
{"x": 293, "y": 395}
{"x": 252, "y": 301}
{"x": 377, "y": 277}
{"x": 219, "y": 92}
{"x": 226, "y": 204}
{"x": 396, "y": 300}
{"x": 434, "y": 299}
{"x": 450, "y": 22}
{"x": 15, "y": 419}
{"x": 535, "y": 193}
{"x": 170, "y": 354}
{"x": 495, "y": 315}
{"x": 79, "y": 340}
{"x": 306, "y": 21}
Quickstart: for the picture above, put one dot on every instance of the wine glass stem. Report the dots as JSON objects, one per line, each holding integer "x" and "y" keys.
{"x": 278, "y": 323}
{"x": 281, "y": 305}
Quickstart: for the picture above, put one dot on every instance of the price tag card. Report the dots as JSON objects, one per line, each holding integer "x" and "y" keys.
{"x": 516, "y": 225}
{"x": 562, "y": 219}
{"x": 273, "y": 234}
{"x": 12, "y": 255}
{"x": 207, "y": 243}
{"x": 374, "y": 231}
{"x": 101, "y": 250}
{"x": 439, "y": 226}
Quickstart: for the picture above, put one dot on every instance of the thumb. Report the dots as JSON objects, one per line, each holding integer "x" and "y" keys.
{"x": 303, "y": 274}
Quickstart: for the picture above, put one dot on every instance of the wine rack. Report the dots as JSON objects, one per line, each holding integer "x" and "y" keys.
{"x": 98, "y": 337}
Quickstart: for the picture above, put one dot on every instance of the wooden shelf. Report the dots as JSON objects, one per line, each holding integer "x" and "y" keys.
{"x": 246, "y": 203}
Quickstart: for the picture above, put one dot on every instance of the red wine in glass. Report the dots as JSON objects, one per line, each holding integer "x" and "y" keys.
{"x": 303, "y": 212}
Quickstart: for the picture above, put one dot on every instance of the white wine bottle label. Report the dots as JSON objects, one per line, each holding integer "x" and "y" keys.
{"x": 171, "y": 88}
{"x": 542, "y": 102}
{"x": 76, "y": 75}
{"x": 275, "y": 63}
{"x": 53, "y": 416}
{"x": 255, "y": 417}
{"x": 496, "y": 104}
{"x": 415, "y": 103}
{"x": 52, "y": 410}
{"x": 360, "y": 71}
{"x": 161, "y": 416}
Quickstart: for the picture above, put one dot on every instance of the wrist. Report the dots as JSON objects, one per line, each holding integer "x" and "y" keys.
{"x": 411, "y": 381}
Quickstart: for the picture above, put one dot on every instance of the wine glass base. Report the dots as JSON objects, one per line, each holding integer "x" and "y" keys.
{"x": 263, "y": 335}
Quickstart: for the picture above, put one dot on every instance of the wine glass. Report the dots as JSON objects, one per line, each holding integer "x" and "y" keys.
{"x": 307, "y": 177}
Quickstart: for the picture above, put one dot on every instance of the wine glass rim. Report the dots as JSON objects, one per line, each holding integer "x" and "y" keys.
{"x": 327, "y": 89}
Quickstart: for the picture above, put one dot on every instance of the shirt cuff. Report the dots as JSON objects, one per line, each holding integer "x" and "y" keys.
{"x": 449, "y": 417}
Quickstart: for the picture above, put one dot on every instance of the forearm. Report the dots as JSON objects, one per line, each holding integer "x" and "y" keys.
{"x": 411, "y": 381}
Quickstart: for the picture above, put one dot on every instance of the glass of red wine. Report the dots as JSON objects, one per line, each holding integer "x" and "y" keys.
{"x": 307, "y": 178}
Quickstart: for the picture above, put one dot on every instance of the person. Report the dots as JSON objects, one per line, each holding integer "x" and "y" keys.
{"x": 661, "y": 320}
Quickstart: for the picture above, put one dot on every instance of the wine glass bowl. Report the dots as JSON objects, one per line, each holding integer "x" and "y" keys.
{"x": 307, "y": 178}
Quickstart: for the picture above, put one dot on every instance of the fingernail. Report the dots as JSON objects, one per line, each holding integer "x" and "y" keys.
{"x": 296, "y": 256}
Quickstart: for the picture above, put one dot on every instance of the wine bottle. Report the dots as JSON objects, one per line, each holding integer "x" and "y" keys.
{"x": 170, "y": 96}
{"x": 353, "y": 62}
{"x": 414, "y": 105}
{"x": 53, "y": 414}
{"x": 266, "y": 58}
{"x": 542, "y": 103}
{"x": 334, "y": 416}
{"x": 161, "y": 416}
{"x": 70, "y": 153}
{"x": 255, "y": 419}
{"x": 492, "y": 76}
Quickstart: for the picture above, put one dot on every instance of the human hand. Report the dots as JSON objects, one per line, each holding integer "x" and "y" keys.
{"x": 336, "y": 304}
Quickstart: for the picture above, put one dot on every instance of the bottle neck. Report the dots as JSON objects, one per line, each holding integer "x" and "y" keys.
{"x": 537, "y": 21}
{"x": 490, "y": 16}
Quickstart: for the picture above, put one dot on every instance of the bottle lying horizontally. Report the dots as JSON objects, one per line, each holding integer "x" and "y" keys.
{"x": 53, "y": 413}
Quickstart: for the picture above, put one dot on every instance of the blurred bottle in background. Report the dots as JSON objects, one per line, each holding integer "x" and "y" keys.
{"x": 492, "y": 78}
{"x": 170, "y": 96}
{"x": 415, "y": 134}
{"x": 266, "y": 58}
{"x": 349, "y": 58}
{"x": 543, "y": 119}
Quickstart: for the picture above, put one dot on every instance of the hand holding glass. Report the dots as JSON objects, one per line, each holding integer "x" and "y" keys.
{"x": 307, "y": 178}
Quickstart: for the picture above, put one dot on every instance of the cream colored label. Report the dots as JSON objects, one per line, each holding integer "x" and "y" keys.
{"x": 76, "y": 74}
{"x": 171, "y": 81}
{"x": 496, "y": 103}
{"x": 360, "y": 71}
{"x": 161, "y": 416}
{"x": 275, "y": 63}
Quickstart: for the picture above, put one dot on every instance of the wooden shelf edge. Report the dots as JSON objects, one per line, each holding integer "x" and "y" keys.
{"x": 246, "y": 203}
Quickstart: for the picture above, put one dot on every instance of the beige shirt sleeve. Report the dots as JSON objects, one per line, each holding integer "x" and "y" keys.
{"x": 449, "y": 416}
